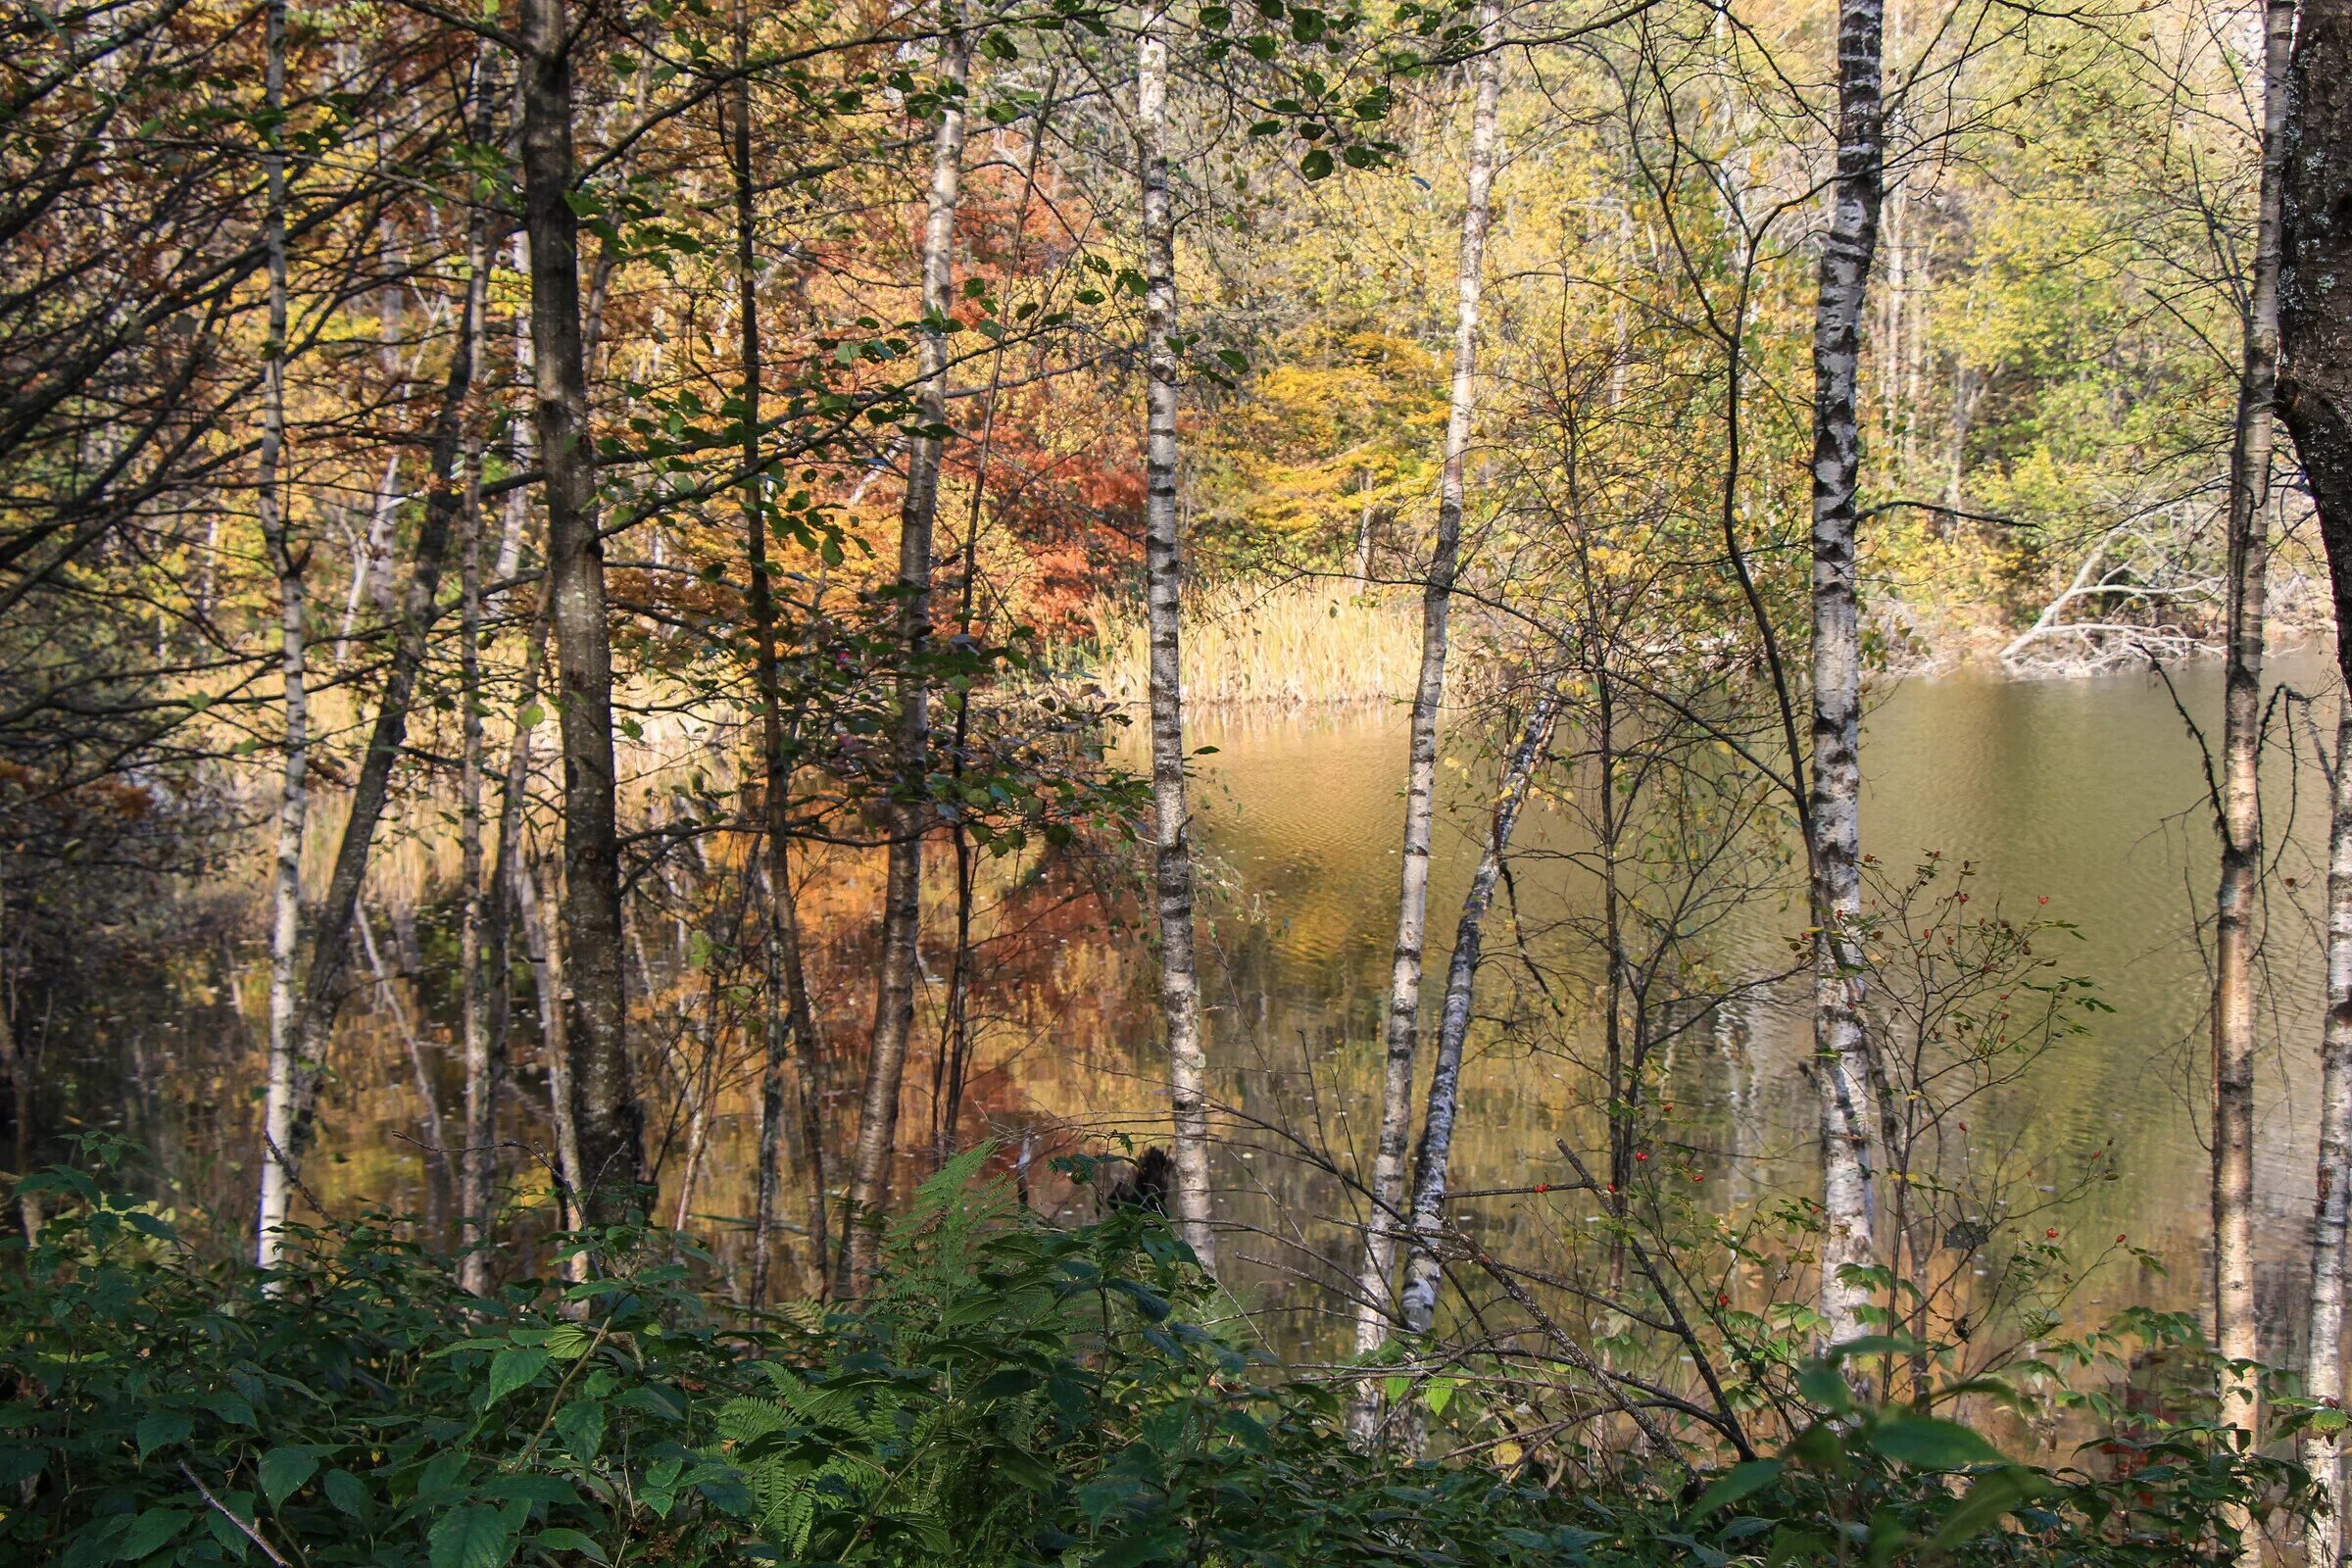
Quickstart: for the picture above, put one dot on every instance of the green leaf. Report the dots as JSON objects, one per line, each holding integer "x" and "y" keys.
{"x": 1740, "y": 1480}
{"x": 161, "y": 1429}
{"x": 1929, "y": 1442}
{"x": 581, "y": 1426}
{"x": 1996, "y": 1492}
{"x": 231, "y": 1408}
{"x": 513, "y": 1369}
{"x": 473, "y": 1536}
{"x": 569, "y": 1541}
{"x": 284, "y": 1470}
{"x": 150, "y": 1532}
{"x": 1316, "y": 164}
{"x": 346, "y": 1491}
{"x": 568, "y": 1342}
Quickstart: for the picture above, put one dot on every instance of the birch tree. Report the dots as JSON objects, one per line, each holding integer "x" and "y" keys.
{"x": 1423, "y": 1272}
{"x": 285, "y": 925}
{"x": 477, "y": 1159}
{"x": 1841, "y": 1062}
{"x": 1374, "y": 1302}
{"x": 910, "y": 810}
{"x": 1163, "y": 561}
{"x": 2240, "y": 815}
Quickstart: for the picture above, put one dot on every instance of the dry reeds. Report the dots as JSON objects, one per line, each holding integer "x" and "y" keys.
{"x": 1305, "y": 643}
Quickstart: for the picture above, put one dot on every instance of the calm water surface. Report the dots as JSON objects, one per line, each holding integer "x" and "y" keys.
{"x": 2088, "y": 793}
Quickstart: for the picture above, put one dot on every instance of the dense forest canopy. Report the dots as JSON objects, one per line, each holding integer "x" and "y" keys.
{"x": 619, "y": 935}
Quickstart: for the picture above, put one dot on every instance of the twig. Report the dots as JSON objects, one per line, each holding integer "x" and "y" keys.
{"x": 1579, "y": 1358}
{"x": 1682, "y": 1325}
{"x": 248, "y": 1531}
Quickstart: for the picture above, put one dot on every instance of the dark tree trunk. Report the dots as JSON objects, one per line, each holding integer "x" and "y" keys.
{"x": 604, "y": 1090}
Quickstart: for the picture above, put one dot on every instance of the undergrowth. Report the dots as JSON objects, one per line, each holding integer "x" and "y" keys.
{"x": 1010, "y": 1394}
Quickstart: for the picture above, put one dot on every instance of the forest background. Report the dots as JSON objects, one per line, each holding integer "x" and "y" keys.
{"x": 605, "y": 572}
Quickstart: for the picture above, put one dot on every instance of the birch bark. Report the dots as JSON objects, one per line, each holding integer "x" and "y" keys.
{"x": 1422, "y": 1273}
{"x": 477, "y": 1158}
{"x": 1163, "y": 561}
{"x": 1841, "y": 1054}
{"x": 911, "y": 809}
{"x": 285, "y": 926}
{"x": 1375, "y": 1304}
{"x": 2233, "y": 997}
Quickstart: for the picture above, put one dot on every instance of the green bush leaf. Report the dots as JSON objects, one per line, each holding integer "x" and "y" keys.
{"x": 473, "y": 1536}
{"x": 1929, "y": 1442}
{"x": 346, "y": 1491}
{"x": 151, "y": 1532}
{"x": 510, "y": 1370}
{"x": 284, "y": 1470}
{"x": 569, "y": 1541}
{"x": 1740, "y": 1480}
{"x": 161, "y": 1429}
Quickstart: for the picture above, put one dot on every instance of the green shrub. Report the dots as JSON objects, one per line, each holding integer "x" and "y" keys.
{"x": 1011, "y": 1394}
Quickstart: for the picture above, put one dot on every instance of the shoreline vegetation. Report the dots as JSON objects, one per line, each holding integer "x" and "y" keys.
{"x": 1336, "y": 641}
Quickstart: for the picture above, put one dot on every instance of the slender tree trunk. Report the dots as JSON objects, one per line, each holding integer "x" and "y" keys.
{"x": 330, "y": 944}
{"x": 477, "y": 1159}
{"x": 279, "y": 1181}
{"x": 2324, "y": 1375}
{"x": 1374, "y": 1302}
{"x": 2315, "y": 394}
{"x": 2233, "y": 998}
{"x": 435, "y": 1165}
{"x": 603, "y": 1089}
{"x": 789, "y": 1022}
{"x": 1164, "y": 556}
{"x": 543, "y": 933}
{"x": 1422, "y": 1273}
{"x": 910, "y": 806}
{"x": 1841, "y": 1064}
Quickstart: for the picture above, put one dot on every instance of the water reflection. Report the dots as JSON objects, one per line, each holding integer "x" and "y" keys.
{"x": 2087, "y": 793}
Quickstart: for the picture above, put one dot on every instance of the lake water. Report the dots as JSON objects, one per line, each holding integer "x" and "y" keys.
{"x": 2088, "y": 793}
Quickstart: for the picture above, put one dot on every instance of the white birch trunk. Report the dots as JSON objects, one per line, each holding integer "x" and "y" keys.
{"x": 477, "y": 1161}
{"x": 2324, "y": 1375}
{"x": 285, "y": 926}
{"x": 2235, "y": 1002}
{"x": 1842, "y": 1066}
{"x": 1422, "y": 1272}
{"x": 910, "y": 812}
{"x": 1163, "y": 555}
{"x": 1374, "y": 1307}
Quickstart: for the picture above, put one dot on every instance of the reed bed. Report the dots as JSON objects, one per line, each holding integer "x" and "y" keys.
{"x": 1306, "y": 643}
